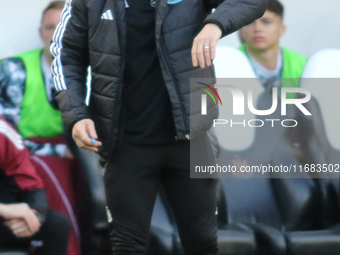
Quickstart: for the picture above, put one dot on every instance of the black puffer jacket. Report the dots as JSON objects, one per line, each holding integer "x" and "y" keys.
{"x": 83, "y": 38}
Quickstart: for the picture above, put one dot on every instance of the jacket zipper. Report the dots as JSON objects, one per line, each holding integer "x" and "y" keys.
{"x": 187, "y": 136}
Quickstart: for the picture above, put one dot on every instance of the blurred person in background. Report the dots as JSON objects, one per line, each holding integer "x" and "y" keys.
{"x": 26, "y": 91}
{"x": 28, "y": 104}
{"x": 261, "y": 44}
{"x": 275, "y": 66}
{"x": 24, "y": 218}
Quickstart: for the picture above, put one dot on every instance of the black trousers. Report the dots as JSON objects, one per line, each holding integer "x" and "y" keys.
{"x": 133, "y": 178}
{"x": 53, "y": 236}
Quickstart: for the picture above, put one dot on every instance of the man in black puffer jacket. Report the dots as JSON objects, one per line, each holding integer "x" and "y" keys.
{"x": 142, "y": 54}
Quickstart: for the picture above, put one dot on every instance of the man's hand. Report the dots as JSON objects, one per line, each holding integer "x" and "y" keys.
{"x": 204, "y": 46}
{"x": 19, "y": 228}
{"x": 20, "y": 211}
{"x": 82, "y": 133}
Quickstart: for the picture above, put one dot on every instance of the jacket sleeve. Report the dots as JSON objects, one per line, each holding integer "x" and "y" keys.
{"x": 231, "y": 15}
{"x": 14, "y": 161}
{"x": 71, "y": 60}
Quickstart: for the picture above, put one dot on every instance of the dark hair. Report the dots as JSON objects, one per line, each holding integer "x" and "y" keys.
{"x": 53, "y": 5}
{"x": 276, "y": 7}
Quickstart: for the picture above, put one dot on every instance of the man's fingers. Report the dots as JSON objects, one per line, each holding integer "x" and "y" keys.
{"x": 87, "y": 147}
{"x": 212, "y": 49}
{"x": 83, "y": 140}
{"x": 80, "y": 135}
{"x": 17, "y": 225}
{"x": 23, "y": 234}
{"x": 200, "y": 54}
{"x": 91, "y": 129}
{"x": 20, "y": 230}
{"x": 32, "y": 221}
{"x": 194, "y": 54}
{"x": 206, "y": 50}
{"x": 11, "y": 221}
{"x": 90, "y": 148}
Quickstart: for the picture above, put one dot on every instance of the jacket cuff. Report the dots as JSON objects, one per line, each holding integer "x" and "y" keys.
{"x": 71, "y": 115}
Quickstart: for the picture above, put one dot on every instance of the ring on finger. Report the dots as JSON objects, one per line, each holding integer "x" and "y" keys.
{"x": 206, "y": 47}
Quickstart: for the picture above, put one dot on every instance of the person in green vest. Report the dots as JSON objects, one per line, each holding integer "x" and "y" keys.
{"x": 261, "y": 44}
{"x": 26, "y": 90}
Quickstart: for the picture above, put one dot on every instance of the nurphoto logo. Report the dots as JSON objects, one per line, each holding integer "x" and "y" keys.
{"x": 240, "y": 101}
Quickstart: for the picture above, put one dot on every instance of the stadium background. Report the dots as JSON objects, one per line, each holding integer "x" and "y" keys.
{"x": 312, "y": 25}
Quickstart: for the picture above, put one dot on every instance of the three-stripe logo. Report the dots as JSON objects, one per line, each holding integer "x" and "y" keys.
{"x": 107, "y": 15}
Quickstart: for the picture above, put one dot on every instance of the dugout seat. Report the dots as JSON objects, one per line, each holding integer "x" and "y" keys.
{"x": 273, "y": 208}
{"x": 320, "y": 144}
